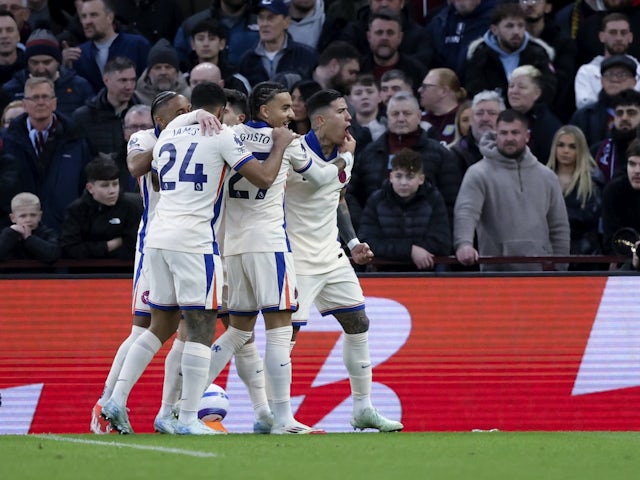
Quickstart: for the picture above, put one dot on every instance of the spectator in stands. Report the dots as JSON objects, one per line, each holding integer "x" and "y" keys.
{"x": 103, "y": 43}
{"x": 540, "y": 24}
{"x": 414, "y": 41}
{"x": 587, "y": 37}
{"x": 485, "y": 108}
{"x": 44, "y": 60}
{"x": 440, "y": 96}
{"x": 51, "y": 154}
{"x": 205, "y": 72}
{"x": 372, "y": 165}
{"x": 307, "y": 19}
{"x": 618, "y": 73}
{"x": 27, "y": 237}
{"x": 512, "y": 201}
{"x": 505, "y": 46}
{"x": 338, "y": 66}
{"x": 621, "y": 199}
{"x": 300, "y": 92}
{"x": 102, "y": 223}
{"x": 12, "y": 57}
{"x": 18, "y": 9}
{"x": 338, "y": 15}
{"x": 384, "y": 36}
{"x": 454, "y": 27}
{"x": 616, "y": 37}
{"x": 162, "y": 74}
{"x": 237, "y": 109}
{"x": 610, "y": 154}
{"x": 276, "y": 52}
{"x": 102, "y": 115}
{"x": 366, "y": 123}
{"x": 40, "y": 16}
{"x": 406, "y": 220}
{"x": 236, "y": 15}
{"x": 462, "y": 121}
{"x": 12, "y": 110}
{"x": 580, "y": 182}
{"x": 155, "y": 19}
{"x": 524, "y": 95}
{"x": 392, "y": 82}
{"x": 572, "y": 15}
{"x": 137, "y": 118}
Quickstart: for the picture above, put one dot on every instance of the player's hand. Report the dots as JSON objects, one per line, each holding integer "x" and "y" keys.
{"x": 361, "y": 254}
{"x": 114, "y": 243}
{"x": 467, "y": 255}
{"x": 349, "y": 144}
{"x": 422, "y": 258}
{"x": 69, "y": 54}
{"x": 209, "y": 123}
{"x": 283, "y": 136}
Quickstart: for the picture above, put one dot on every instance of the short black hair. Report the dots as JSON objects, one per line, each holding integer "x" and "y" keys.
{"x": 340, "y": 50}
{"x": 261, "y": 94}
{"x": 102, "y": 167}
{"x": 160, "y": 99}
{"x": 409, "y": 160}
{"x": 320, "y": 100}
{"x": 238, "y": 99}
{"x": 118, "y": 64}
{"x": 626, "y": 97}
{"x": 633, "y": 150}
{"x": 509, "y": 115}
{"x": 208, "y": 95}
{"x": 387, "y": 14}
{"x": 211, "y": 27}
{"x": 507, "y": 10}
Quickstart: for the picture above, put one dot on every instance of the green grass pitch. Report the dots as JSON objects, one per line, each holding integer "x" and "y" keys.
{"x": 371, "y": 456}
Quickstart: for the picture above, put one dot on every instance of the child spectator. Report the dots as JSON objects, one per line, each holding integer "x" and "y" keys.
{"x": 27, "y": 238}
{"x": 102, "y": 223}
{"x": 406, "y": 220}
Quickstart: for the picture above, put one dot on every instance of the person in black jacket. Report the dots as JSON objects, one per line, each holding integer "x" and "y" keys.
{"x": 102, "y": 223}
{"x": 27, "y": 238}
{"x": 406, "y": 220}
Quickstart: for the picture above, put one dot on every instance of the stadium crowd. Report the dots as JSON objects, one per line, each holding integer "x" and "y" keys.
{"x": 524, "y": 116}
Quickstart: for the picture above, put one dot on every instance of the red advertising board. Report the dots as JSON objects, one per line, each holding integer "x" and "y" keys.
{"x": 512, "y": 353}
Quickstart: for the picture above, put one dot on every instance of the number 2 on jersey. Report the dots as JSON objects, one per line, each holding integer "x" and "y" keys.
{"x": 233, "y": 193}
{"x": 198, "y": 177}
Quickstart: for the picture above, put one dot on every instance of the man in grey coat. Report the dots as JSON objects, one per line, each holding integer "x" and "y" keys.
{"x": 511, "y": 200}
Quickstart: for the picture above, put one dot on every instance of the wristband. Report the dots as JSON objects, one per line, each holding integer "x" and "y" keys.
{"x": 352, "y": 243}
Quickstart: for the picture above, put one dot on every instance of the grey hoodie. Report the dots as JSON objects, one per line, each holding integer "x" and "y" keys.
{"x": 307, "y": 30}
{"x": 516, "y": 206}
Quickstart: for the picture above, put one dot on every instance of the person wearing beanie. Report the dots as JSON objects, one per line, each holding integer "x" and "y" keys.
{"x": 44, "y": 58}
{"x": 162, "y": 73}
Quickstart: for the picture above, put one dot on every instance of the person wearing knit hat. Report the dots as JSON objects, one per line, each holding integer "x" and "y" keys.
{"x": 162, "y": 73}
{"x": 43, "y": 59}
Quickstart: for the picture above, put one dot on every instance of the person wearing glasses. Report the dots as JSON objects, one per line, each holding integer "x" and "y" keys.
{"x": 51, "y": 153}
{"x": 618, "y": 73}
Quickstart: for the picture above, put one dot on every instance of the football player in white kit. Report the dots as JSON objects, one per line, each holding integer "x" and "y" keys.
{"x": 257, "y": 253}
{"x": 165, "y": 107}
{"x": 181, "y": 252}
{"x": 315, "y": 218}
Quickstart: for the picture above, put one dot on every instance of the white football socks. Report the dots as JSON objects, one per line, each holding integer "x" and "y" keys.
{"x": 355, "y": 355}
{"x": 118, "y": 360}
{"x": 140, "y": 354}
{"x": 172, "y": 384}
{"x": 196, "y": 359}
{"x": 277, "y": 362}
{"x": 251, "y": 371}
{"x": 223, "y": 348}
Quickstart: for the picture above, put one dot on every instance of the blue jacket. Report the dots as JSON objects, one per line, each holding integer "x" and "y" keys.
{"x": 130, "y": 45}
{"x": 295, "y": 57}
{"x": 450, "y": 34}
{"x": 57, "y": 176}
{"x": 71, "y": 89}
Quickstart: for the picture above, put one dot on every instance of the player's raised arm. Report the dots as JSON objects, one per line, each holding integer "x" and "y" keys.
{"x": 263, "y": 174}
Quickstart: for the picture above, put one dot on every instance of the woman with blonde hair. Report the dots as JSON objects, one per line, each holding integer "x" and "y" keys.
{"x": 580, "y": 180}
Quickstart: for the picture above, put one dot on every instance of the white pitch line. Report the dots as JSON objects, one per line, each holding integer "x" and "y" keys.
{"x": 177, "y": 451}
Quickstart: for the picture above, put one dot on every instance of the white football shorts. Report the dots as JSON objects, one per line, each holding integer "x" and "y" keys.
{"x": 332, "y": 292}
{"x": 261, "y": 281}
{"x": 183, "y": 280}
